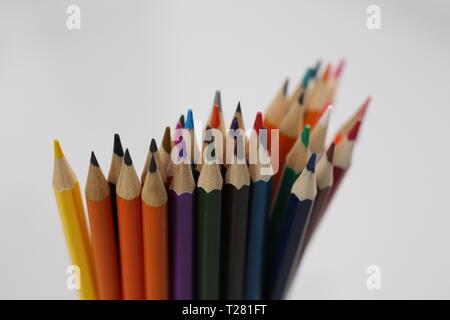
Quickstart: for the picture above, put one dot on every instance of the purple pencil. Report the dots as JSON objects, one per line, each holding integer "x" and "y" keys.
{"x": 181, "y": 207}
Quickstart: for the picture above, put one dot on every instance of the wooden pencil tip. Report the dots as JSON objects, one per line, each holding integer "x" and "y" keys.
{"x": 238, "y": 108}
{"x": 152, "y": 167}
{"x": 340, "y": 68}
{"x": 57, "y": 150}
{"x": 189, "y": 120}
{"x": 153, "y": 146}
{"x": 94, "y": 161}
{"x": 353, "y": 133}
{"x": 127, "y": 158}
{"x": 330, "y": 152}
{"x": 301, "y": 98}
{"x": 258, "y": 122}
{"x": 326, "y": 72}
{"x": 311, "y": 165}
{"x": 362, "y": 110}
{"x": 118, "y": 149}
{"x": 316, "y": 69}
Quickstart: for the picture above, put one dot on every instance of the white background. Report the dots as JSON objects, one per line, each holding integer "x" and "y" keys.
{"x": 136, "y": 65}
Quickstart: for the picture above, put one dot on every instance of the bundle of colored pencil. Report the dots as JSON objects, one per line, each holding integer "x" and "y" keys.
{"x": 228, "y": 219}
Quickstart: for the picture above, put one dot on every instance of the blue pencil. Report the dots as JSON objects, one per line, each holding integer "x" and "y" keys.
{"x": 293, "y": 230}
{"x": 260, "y": 195}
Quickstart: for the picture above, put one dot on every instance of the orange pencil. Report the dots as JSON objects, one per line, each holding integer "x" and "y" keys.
{"x": 318, "y": 98}
{"x": 290, "y": 129}
{"x": 130, "y": 231}
{"x": 101, "y": 220}
{"x": 153, "y": 152}
{"x": 155, "y": 235}
{"x": 276, "y": 111}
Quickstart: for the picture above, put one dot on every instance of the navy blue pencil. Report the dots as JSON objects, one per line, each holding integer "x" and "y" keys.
{"x": 260, "y": 194}
{"x": 293, "y": 232}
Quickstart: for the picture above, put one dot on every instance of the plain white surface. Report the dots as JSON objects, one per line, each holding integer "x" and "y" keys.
{"x": 135, "y": 66}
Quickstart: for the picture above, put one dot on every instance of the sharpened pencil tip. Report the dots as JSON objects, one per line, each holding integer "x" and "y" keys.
{"x": 57, "y": 150}
{"x": 305, "y": 135}
{"x": 153, "y": 146}
{"x": 301, "y": 98}
{"x": 218, "y": 100}
{"x": 238, "y": 108}
{"x": 258, "y": 121}
{"x": 166, "y": 143}
{"x": 152, "y": 167}
{"x": 181, "y": 121}
{"x": 316, "y": 69}
{"x": 353, "y": 133}
{"x": 127, "y": 158}
{"x": 234, "y": 124}
{"x": 339, "y": 68}
{"x": 94, "y": 161}
{"x": 189, "y": 120}
{"x": 326, "y": 72}
{"x": 215, "y": 119}
{"x": 311, "y": 165}
{"x": 118, "y": 149}
{"x": 285, "y": 86}
{"x": 308, "y": 75}
{"x": 330, "y": 152}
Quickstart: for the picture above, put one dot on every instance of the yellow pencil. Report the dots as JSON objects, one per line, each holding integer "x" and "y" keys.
{"x": 70, "y": 205}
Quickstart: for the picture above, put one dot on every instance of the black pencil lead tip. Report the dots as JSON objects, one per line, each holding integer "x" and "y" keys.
{"x": 152, "y": 167}
{"x": 127, "y": 158}
{"x": 238, "y": 108}
{"x": 181, "y": 121}
{"x": 153, "y": 146}
{"x": 94, "y": 161}
{"x": 285, "y": 86}
{"x": 118, "y": 150}
{"x": 301, "y": 98}
{"x": 218, "y": 99}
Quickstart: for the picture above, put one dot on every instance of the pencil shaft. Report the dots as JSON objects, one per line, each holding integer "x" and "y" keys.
{"x": 288, "y": 245}
{"x": 260, "y": 194}
{"x": 181, "y": 242}
{"x": 234, "y": 238}
{"x": 208, "y": 243}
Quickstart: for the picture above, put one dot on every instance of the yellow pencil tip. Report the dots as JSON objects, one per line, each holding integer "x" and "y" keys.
{"x": 57, "y": 149}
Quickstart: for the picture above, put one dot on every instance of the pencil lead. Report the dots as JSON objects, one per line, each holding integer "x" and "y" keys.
{"x": 353, "y": 133}
{"x": 127, "y": 158}
{"x": 316, "y": 69}
{"x": 234, "y": 124}
{"x": 326, "y": 72}
{"x": 189, "y": 120}
{"x": 305, "y": 135}
{"x": 238, "y": 108}
{"x": 153, "y": 146}
{"x": 330, "y": 152}
{"x": 218, "y": 100}
{"x": 285, "y": 86}
{"x": 152, "y": 167}
{"x": 57, "y": 150}
{"x": 301, "y": 98}
{"x": 181, "y": 121}
{"x": 339, "y": 68}
{"x": 94, "y": 161}
{"x": 308, "y": 75}
{"x": 166, "y": 143}
{"x": 311, "y": 165}
{"x": 215, "y": 119}
{"x": 258, "y": 122}
{"x": 118, "y": 149}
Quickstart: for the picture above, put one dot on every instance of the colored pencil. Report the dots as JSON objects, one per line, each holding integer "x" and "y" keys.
{"x": 181, "y": 199}
{"x": 348, "y": 125}
{"x": 324, "y": 183}
{"x": 153, "y": 152}
{"x": 293, "y": 230}
{"x": 234, "y": 228}
{"x": 319, "y": 132}
{"x": 164, "y": 150}
{"x": 103, "y": 237}
{"x": 241, "y": 125}
{"x": 258, "y": 219}
{"x": 219, "y": 121}
{"x": 191, "y": 143}
{"x": 295, "y": 162}
{"x": 276, "y": 111}
{"x": 155, "y": 234}
{"x": 318, "y": 98}
{"x": 334, "y": 81}
{"x": 209, "y": 214}
{"x": 290, "y": 129}
{"x": 302, "y": 86}
{"x": 113, "y": 177}
{"x": 70, "y": 205}
{"x": 130, "y": 231}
